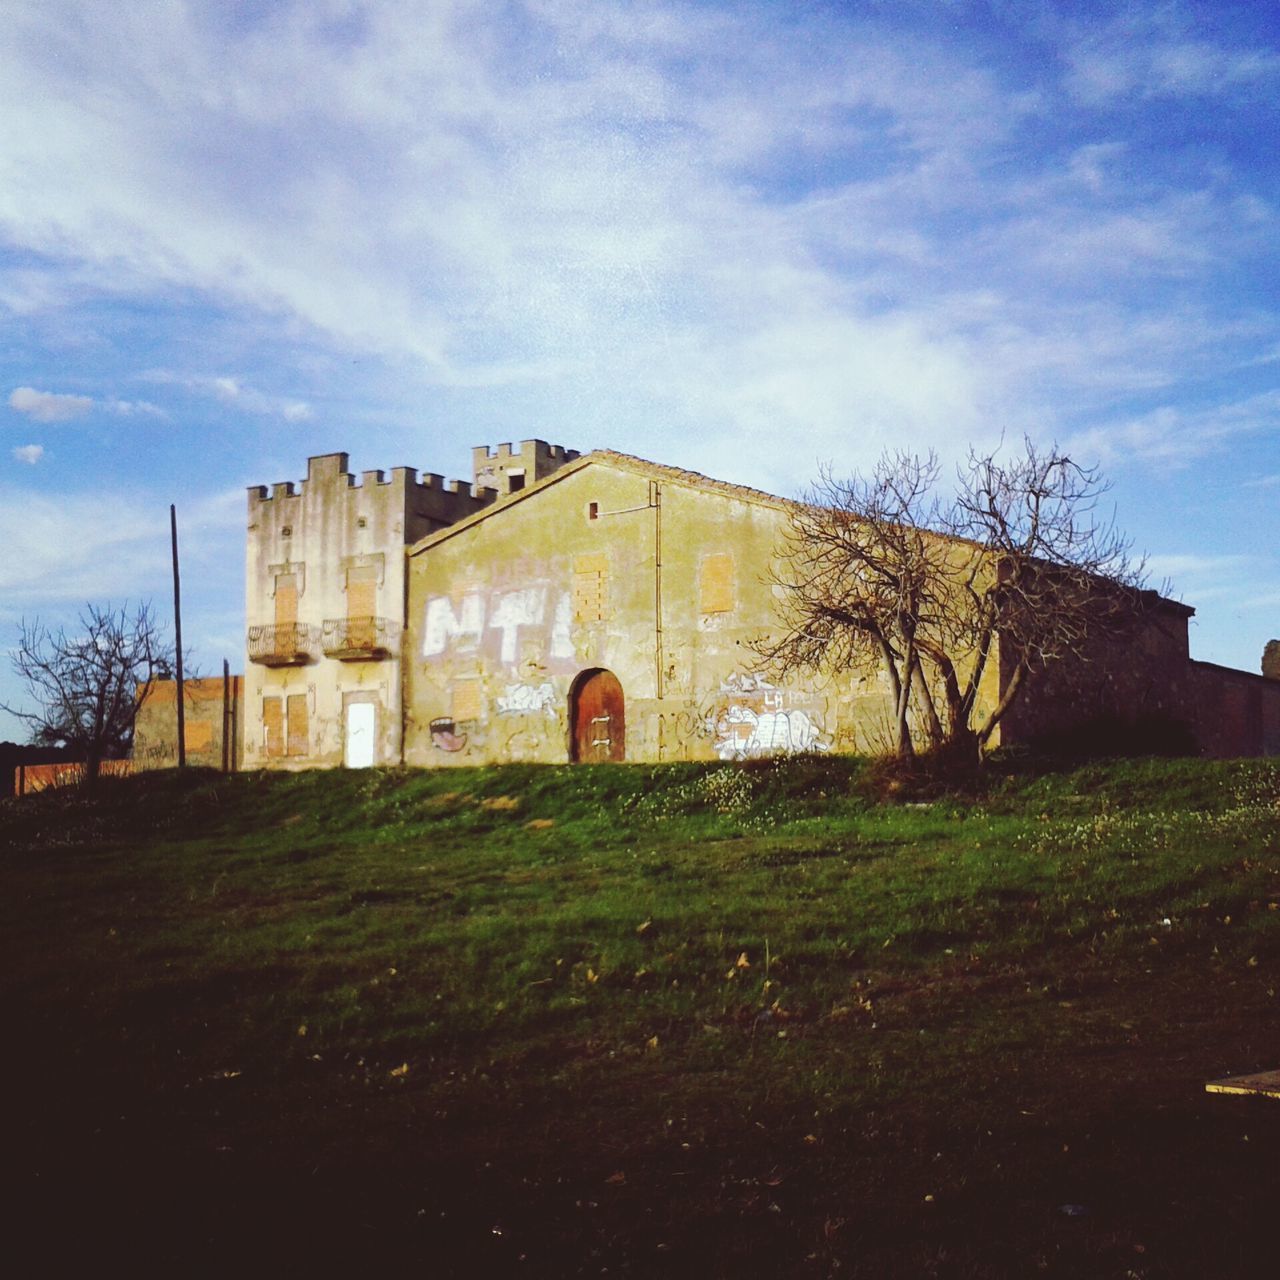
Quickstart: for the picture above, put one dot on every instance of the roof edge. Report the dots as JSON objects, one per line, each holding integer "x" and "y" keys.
{"x": 625, "y": 461}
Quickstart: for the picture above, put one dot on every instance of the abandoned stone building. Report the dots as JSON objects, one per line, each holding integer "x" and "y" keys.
{"x": 212, "y": 737}
{"x": 326, "y": 600}
{"x": 565, "y": 607}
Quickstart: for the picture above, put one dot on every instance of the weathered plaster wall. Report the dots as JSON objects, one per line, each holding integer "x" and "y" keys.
{"x": 316, "y": 532}
{"x": 505, "y": 614}
{"x": 207, "y": 708}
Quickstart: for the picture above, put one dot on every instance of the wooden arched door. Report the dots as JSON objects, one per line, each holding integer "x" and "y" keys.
{"x": 597, "y": 714}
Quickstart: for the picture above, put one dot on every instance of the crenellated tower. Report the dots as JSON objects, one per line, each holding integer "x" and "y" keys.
{"x": 325, "y": 599}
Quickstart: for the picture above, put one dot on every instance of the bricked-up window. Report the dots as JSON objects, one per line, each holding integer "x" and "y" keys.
{"x": 362, "y": 605}
{"x": 299, "y": 727}
{"x": 273, "y": 726}
{"x": 715, "y": 584}
{"x": 591, "y": 587}
{"x": 286, "y": 599}
{"x": 197, "y": 735}
{"x": 362, "y": 592}
{"x": 466, "y": 698}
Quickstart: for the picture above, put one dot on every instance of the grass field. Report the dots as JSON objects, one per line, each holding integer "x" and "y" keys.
{"x": 781, "y": 1020}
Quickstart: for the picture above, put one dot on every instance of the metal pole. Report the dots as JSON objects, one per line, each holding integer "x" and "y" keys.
{"x": 177, "y": 638}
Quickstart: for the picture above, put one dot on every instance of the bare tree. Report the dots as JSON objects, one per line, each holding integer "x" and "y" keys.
{"x": 89, "y": 683}
{"x": 880, "y": 572}
{"x": 859, "y": 575}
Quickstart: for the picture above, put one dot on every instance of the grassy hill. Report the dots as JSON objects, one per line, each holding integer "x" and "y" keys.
{"x": 788, "y": 1019}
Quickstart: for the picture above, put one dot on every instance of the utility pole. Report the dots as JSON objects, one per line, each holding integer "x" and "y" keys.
{"x": 177, "y": 638}
{"x": 228, "y": 722}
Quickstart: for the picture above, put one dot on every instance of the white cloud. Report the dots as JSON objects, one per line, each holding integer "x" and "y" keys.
{"x": 29, "y": 453}
{"x": 60, "y": 551}
{"x": 1175, "y": 435}
{"x": 134, "y": 408}
{"x": 549, "y": 204}
{"x": 233, "y": 391}
{"x": 49, "y": 406}
{"x": 1152, "y": 52}
{"x": 658, "y": 212}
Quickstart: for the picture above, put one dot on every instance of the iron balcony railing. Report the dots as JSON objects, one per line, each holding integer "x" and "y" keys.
{"x": 357, "y": 639}
{"x": 287, "y": 644}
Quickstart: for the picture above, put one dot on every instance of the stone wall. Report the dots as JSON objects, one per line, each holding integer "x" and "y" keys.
{"x": 1235, "y": 713}
{"x": 1128, "y": 679}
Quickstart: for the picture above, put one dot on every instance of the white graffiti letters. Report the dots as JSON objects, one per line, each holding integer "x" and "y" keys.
{"x": 750, "y": 721}
{"x": 528, "y": 697}
{"x": 516, "y": 609}
{"x": 443, "y": 625}
{"x": 561, "y": 639}
{"x": 462, "y": 626}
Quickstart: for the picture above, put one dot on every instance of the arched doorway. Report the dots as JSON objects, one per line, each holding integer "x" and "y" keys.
{"x": 597, "y": 716}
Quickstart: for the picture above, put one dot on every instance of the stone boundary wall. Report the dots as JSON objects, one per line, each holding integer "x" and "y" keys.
{"x": 1234, "y": 713}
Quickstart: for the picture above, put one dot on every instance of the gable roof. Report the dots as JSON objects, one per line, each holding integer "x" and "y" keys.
{"x": 620, "y": 461}
{"x": 690, "y": 479}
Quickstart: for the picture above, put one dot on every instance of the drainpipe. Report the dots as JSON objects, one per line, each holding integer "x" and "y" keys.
{"x": 655, "y": 498}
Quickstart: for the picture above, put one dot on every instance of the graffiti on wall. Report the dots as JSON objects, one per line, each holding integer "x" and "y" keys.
{"x": 445, "y": 735}
{"x": 522, "y": 698}
{"x": 501, "y": 618}
{"x": 752, "y": 717}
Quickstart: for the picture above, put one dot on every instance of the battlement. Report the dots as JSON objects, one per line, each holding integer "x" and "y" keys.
{"x": 329, "y": 470}
{"x": 507, "y": 470}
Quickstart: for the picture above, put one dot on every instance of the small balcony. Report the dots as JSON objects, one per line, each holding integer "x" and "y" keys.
{"x": 357, "y": 639}
{"x": 290, "y": 644}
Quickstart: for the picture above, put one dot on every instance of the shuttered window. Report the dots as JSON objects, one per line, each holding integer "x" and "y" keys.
{"x": 273, "y": 726}
{"x": 299, "y": 728}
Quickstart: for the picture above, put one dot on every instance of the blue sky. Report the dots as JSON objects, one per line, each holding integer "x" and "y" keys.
{"x": 745, "y": 239}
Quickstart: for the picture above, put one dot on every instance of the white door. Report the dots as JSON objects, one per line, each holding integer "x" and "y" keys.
{"x": 361, "y": 718}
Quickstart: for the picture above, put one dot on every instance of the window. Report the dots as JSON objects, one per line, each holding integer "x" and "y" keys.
{"x": 197, "y": 735}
